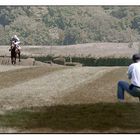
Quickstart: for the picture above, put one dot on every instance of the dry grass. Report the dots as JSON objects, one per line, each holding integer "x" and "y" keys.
{"x": 13, "y": 75}
{"x": 44, "y": 89}
{"x": 92, "y": 49}
{"x": 101, "y": 90}
{"x": 4, "y": 68}
{"x": 81, "y": 106}
{"x": 65, "y": 100}
{"x": 40, "y": 86}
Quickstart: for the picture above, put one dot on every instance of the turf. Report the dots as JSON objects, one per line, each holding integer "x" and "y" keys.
{"x": 100, "y": 117}
{"x": 85, "y": 114}
{"x": 103, "y": 89}
{"x": 11, "y": 78}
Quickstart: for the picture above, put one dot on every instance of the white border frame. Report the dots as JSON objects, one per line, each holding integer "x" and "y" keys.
{"x": 70, "y": 2}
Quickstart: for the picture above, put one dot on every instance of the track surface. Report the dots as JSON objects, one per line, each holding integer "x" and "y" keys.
{"x": 45, "y": 86}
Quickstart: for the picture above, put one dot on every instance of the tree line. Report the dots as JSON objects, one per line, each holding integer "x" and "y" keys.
{"x": 65, "y": 25}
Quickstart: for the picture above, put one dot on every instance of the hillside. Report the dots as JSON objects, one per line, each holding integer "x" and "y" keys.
{"x": 65, "y": 25}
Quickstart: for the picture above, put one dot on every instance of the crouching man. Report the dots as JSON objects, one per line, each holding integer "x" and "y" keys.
{"x": 134, "y": 75}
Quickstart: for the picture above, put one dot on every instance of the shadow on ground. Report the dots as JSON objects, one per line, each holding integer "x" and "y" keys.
{"x": 75, "y": 118}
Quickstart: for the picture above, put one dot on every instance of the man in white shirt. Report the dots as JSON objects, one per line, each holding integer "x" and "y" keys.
{"x": 134, "y": 75}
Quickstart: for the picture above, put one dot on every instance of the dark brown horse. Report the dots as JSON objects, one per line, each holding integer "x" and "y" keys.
{"x": 14, "y": 52}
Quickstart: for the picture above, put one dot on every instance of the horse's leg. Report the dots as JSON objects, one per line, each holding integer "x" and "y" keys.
{"x": 19, "y": 55}
{"x": 15, "y": 57}
{"x": 11, "y": 59}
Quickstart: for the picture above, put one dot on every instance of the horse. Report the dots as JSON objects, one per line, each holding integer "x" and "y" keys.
{"x": 14, "y": 52}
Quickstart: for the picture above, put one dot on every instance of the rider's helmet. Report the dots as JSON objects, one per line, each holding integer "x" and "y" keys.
{"x": 15, "y": 36}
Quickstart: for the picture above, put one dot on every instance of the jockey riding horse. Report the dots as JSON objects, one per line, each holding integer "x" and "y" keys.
{"x": 15, "y": 49}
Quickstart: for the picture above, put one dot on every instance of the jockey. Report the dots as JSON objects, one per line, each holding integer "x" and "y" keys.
{"x": 16, "y": 41}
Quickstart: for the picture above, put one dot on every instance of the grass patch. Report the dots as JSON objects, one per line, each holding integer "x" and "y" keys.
{"x": 87, "y": 60}
{"x": 74, "y": 118}
{"x": 92, "y": 61}
{"x": 11, "y": 78}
